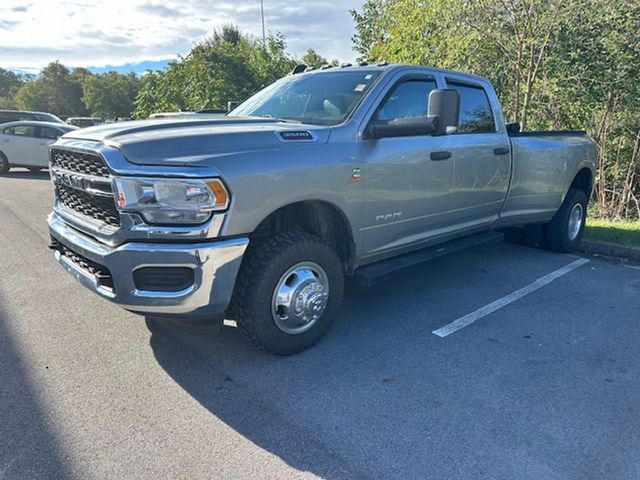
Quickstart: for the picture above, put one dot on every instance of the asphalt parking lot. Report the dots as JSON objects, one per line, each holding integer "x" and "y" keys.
{"x": 544, "y": 387}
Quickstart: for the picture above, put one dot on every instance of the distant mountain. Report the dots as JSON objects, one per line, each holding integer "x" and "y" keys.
{"x": 139, "y": 67}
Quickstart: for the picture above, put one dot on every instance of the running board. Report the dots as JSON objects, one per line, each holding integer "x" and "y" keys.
{"x": 388, "y": 269}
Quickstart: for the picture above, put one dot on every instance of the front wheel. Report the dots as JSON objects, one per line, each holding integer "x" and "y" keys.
{"x": 564, "y": 231}
{"x": 288, "y": 291}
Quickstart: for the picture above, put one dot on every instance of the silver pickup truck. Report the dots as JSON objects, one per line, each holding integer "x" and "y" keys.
{"x": 260, "y": 215}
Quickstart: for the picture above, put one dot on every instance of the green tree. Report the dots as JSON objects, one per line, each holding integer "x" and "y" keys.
{"x": 10, "y": 82}
{"x": 54, "y": 90}
{"x": 110, "y": 94}
{"x": 228, "y": 66}
{"x": 313, "y": 59}
{"x": 372, "y": 29}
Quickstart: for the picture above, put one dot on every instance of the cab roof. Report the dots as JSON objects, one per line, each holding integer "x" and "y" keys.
{"x": 387, "y": 67}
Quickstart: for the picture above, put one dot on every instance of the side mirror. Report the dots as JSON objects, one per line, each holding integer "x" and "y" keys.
{"x": 444, "y": 104}
{"x": 442, "y": 118}
{"x": 403, "y": 127}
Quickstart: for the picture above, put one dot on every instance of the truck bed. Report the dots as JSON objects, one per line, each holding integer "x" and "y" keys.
{"x": 543, "y": 162}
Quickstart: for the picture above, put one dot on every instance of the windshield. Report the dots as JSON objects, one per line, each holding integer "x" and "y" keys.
{"x": 323, "y": 98}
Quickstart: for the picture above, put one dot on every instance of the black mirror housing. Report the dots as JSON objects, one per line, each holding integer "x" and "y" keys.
{"x": 444, "y": 103}
{"x": 403, "y": 127}
{"x": 513, "y": 128}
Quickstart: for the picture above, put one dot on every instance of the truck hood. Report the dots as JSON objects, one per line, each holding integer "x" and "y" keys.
{"x": 184, "y": 141}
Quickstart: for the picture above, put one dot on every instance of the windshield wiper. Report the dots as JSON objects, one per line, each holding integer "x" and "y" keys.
{"x": 284, "y": 120}
{"x": 289, "y": 120}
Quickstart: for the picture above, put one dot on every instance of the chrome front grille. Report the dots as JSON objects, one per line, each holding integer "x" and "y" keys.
{"x": 82, "y": 185}
{"x": 97, "y": 207}
{"x": 79, "y": 162}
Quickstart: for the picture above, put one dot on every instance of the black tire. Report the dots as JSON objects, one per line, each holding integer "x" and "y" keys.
{"x": 262, "y": 268}
{"x": 4, "y": 164}
{"x": 557, "y": 231}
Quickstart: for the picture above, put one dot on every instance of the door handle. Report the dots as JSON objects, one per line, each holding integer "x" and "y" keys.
{"x": 436, "y": 156}
{"x": 500, "y": 151}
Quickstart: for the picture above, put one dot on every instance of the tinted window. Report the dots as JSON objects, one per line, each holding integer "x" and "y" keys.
{"x": 47, "y": 117}
{"x": 46, "y": 132}
{"x": 475, "y": 111}
{"x": 14, "y": 116}
{"x": 407, "y": 100}
{"x": 7, "y": 117}
{"x": 21, "y": 130}
{"x": 83, "y": 122}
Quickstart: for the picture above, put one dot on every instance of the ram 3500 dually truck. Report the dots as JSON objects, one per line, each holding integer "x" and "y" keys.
{"x": 324, "y": 174}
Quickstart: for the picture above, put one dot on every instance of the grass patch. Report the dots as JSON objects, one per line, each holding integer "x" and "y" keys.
{"x": 623, "y": 233}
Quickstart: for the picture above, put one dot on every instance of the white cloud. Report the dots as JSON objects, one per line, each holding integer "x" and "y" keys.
{"x": 97, "y": 33}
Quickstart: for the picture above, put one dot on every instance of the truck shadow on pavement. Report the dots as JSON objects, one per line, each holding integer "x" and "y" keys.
{"x": 28, "y": 447}
{"x": 381, "y": 397}
{"x": 201, "y": 367}
{"x": 308, "y": 409}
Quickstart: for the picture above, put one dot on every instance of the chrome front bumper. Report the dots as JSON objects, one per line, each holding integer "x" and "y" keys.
{"x": 215, "y": 265}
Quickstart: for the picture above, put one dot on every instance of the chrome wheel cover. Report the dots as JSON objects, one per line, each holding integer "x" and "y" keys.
{"x": 300, "y": 298}
{"x": 576, "y": 219}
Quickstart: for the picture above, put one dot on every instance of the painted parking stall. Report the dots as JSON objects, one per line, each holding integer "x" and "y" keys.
{"x": 542, "y": 385}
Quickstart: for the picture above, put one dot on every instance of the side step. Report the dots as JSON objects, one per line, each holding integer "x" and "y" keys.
{"x": 387, "y": 269}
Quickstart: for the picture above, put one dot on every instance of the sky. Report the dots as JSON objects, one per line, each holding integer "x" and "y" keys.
{"x": 133, "y": 35}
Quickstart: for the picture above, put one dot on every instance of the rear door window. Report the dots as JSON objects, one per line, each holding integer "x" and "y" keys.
{"x": 50, "y": 133}
{"x": 476, "y": 115}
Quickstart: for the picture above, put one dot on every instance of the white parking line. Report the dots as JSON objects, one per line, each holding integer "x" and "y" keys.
{"x": 469, "y": 318}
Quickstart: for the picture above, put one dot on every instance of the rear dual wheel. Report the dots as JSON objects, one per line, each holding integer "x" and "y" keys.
{"x": 288, "y": 291}
{"x": 564, "y": 232}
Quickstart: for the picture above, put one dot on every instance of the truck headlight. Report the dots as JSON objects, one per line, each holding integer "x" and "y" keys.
{"x": 171, "y": 200}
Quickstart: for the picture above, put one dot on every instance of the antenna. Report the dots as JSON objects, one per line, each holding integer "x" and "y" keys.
{"x": 264, "y": 37}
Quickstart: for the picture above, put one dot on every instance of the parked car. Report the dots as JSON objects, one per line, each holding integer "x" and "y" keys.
{"x": 83, "y": 122}
{"x": 357, "y": 171}
{"x": 26, "y": 144}
{"x": 117, "y": 120}
{"x": 17, "y": 115}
